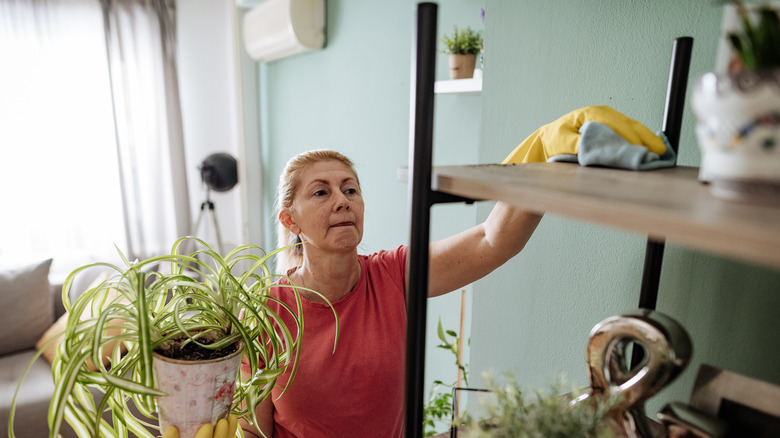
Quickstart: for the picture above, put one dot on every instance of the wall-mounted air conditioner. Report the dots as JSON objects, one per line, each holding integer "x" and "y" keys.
{"x": 278, "y": 28}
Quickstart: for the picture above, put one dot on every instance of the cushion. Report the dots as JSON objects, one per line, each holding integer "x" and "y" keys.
{"x": 32, "y": 403}
{"x": 26, "y": 306}
{"x": 50, "y": 348}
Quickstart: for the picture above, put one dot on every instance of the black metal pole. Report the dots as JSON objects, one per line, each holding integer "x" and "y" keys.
{"x": 673, "y": 114}
{"x": 651, "y": 275}
{"x": 675, "y": 91}
{"x": 421, "y": 156}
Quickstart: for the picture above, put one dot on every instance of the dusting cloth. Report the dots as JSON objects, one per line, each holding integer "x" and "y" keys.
{"x": 600, "y": 145}
{"x": 596, "y": 136}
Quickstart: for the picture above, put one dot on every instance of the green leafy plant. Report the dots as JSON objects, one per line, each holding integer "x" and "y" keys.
{"x": 141, "y": 308}
{"x": 512, "y": 412}
{"x": 757, "y": 45}
{"x": 463, "y": 41}
{"x": 438, "y": 410}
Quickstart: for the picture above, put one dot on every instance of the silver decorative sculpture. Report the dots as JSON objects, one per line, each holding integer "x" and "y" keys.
{"x": 632, "y": 356}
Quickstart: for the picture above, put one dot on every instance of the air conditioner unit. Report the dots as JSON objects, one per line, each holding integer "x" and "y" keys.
{"x": 278, "y": 28}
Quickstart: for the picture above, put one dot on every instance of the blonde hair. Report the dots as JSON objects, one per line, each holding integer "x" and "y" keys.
{"x": 289, "y": 182}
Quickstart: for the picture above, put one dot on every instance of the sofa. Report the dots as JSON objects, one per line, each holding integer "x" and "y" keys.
{"x": 30, "y": 308}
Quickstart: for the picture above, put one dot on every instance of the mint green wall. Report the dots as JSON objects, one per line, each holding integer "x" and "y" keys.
{"x": 545, "y": 58}
{"x": 354, "y": 96}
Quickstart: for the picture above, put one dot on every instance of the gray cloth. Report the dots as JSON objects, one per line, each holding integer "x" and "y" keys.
{"x": 601, "y": 146}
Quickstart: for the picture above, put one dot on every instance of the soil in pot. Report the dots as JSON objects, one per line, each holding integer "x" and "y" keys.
{"x": 179, "y": 348}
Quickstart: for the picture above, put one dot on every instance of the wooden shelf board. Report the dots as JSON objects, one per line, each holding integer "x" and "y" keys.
{"x": 666, "y": 204}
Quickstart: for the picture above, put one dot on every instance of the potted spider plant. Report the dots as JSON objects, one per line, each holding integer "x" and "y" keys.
{"x": 738, "y": 112}
{"x": 195, "y": 309}
{"x": 463, "y": 46}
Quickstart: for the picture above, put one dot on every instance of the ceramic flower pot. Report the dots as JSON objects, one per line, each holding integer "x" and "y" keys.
{"x": 199, "y": 392}
{"x": 462, "y": 66}
{"x": 738, "y": 130}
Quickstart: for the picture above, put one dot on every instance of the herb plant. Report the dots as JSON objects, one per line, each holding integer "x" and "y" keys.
{"x": 463, "y": 41}
{"x": 512, "y": 412}
{"x": 146, "y": 304}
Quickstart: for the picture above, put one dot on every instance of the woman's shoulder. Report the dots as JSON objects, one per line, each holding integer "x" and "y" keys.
{"x": 387, "y": 263}
{"x": 388, "y": 256}
{"x": 384, "y": 274}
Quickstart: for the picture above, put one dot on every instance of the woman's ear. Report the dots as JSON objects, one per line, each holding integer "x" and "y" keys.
{"x": 286, "y": 219}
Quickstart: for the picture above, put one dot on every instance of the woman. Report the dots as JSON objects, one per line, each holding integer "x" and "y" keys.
{"x": 357, "y": 389}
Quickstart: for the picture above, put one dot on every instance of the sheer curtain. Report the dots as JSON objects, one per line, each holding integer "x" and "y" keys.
{"x": 60, "y": 186}
{"x": 141, "y": 40}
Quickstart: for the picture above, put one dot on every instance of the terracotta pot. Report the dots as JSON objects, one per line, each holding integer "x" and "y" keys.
{"x": 199, "y": 392}
{"x": 738, "y": 130}
{"x": 462, "y": 66}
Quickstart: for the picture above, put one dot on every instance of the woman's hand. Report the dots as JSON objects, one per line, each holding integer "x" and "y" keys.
{"x": 225, "y": 428}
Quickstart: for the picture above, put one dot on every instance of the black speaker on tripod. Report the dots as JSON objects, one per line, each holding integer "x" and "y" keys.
{"x": 219, "y": 172}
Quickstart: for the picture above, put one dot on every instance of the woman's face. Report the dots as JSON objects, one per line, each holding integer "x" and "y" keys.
{"x": 327, "y": 210}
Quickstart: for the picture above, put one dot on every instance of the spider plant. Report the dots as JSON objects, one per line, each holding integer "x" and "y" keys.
{"x": 142, "y": 308}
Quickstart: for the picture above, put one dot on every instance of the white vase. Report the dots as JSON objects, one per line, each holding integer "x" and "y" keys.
{"x": 199, "y": 392}
{"x": 738, "y": 130}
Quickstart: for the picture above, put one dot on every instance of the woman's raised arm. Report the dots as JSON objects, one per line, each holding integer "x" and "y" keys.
{"x": 470, "y": 255}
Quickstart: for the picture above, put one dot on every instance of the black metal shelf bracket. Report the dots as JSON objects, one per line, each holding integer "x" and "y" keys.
{"x": 446, "y": 198}
{"x": 672, "y": 123}
{"x": 421, "y": 156}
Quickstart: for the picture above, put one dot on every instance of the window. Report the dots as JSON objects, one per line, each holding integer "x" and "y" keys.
{"x": 59, "y": 180}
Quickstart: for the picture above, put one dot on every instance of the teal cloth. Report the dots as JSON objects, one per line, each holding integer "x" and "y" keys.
{"x": 599, "y": 145}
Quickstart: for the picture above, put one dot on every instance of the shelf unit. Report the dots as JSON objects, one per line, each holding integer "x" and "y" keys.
{"x": 462, "y": 86}
{"x": 664, "y": 204}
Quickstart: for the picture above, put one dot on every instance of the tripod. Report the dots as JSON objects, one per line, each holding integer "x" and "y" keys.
{"x": 207, "y": 208}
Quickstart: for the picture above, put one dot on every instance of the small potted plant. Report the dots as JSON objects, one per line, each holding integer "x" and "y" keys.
{"x": 463, "y": 46}
{"x": 738, "y": 112}
{"x": 124, "y": 335}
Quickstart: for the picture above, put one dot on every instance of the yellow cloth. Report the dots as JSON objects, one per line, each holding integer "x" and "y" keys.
{"x": 562, "y": 136}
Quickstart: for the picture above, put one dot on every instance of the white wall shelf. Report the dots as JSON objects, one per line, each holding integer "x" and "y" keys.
{"x": 462, "y": 86}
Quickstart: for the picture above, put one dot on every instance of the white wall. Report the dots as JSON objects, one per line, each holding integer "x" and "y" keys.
{"x": 212, "y": 110}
